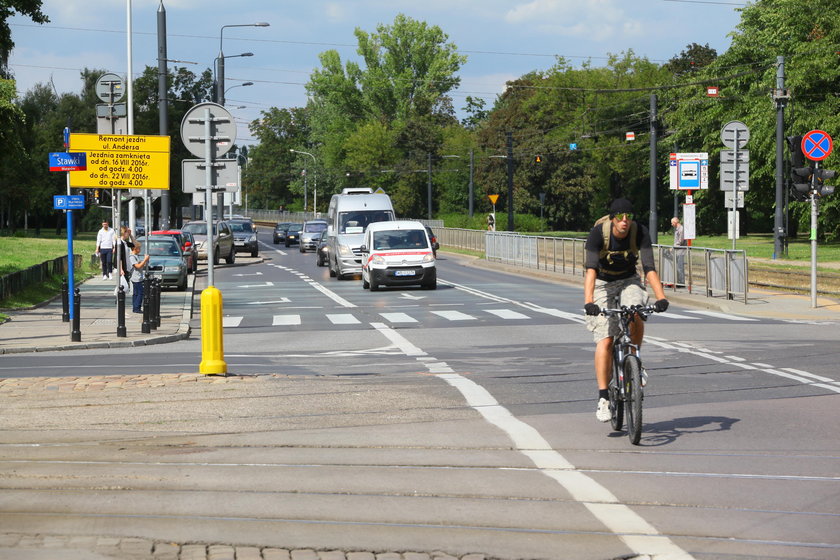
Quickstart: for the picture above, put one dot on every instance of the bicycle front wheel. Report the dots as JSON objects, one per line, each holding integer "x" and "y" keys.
{"x": 616, "y": 404}
{"x": 633, "y": 397}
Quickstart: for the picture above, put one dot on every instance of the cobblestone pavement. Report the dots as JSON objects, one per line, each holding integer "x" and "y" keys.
{"x": 56, "y": 547}
{"x": 21, "y": 385}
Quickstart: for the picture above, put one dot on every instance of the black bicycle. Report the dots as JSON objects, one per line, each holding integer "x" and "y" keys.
{"x": 626, "y": 392}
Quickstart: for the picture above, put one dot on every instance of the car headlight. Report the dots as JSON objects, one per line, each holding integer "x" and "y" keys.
{"x": 171, "y": 269}
{"x": 377, "y": 259}
{"x": 428, "y": 258}
{"x": 345, "y": 251}
{"x": 251, "y": 238}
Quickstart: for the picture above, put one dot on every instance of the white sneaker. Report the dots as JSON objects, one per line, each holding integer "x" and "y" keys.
{"x": 104, "y": 276}
{"x": 603, "y": 413}
{"x": 644, "y": 377}
{"x": 109, "y": 277}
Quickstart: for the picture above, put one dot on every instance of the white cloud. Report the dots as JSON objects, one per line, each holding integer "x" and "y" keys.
{"x": 591, "y": 19}
{"x": 335, "y": 12}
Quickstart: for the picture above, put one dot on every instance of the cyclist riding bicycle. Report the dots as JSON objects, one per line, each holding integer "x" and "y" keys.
{"x": 613, "y": 249}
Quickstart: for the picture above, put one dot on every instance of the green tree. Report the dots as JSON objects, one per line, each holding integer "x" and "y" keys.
{"x": 8, "y": 8}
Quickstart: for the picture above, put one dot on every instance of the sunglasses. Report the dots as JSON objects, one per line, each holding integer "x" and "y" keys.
{"x": 624, "y": 216}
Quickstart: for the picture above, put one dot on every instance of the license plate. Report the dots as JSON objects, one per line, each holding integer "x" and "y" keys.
{"x": 157, "y": 275}
{"x": 239, "y": 243}
{"x": 403, "y": 273}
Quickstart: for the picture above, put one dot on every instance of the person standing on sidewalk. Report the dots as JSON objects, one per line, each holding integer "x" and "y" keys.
{"x": 105, "y": 241}
{"x": 679, "y": 242}
{"x": 124, "y": 246}
{"x": 137, "y": 265}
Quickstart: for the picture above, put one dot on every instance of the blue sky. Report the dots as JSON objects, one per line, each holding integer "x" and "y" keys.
{"x": 502, "y": 39}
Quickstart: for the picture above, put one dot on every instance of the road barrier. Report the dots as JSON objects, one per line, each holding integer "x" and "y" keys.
{"x": 717, "y": 272}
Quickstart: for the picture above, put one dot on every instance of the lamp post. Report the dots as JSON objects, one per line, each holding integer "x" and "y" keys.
{"x": 220, "y": 74}
{"x": 315, "y": 196}
{"x": 245, "y": 84}
{"x": 219, "y": 69}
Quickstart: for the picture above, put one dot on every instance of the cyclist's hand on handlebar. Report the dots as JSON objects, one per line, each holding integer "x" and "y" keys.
{"x": 592, "y": 309}
{"x": 661, "y": 305}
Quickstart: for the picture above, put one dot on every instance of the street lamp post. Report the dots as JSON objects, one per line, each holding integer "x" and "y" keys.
{"x": 315, "y": 196}
{"x": 220, "y": 74}
{"x": 245, "y": 84}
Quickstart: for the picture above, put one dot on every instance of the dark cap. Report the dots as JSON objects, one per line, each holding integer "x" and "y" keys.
{"x": 620, "y": 206}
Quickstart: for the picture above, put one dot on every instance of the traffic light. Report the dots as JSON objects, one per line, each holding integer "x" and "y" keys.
{"x": 538, "y": 159}
{"x": 820, "y": 177}
{"x": 96, "y": 196}
{"x": 801, "y": 179}
{"x": 800, "y": 173}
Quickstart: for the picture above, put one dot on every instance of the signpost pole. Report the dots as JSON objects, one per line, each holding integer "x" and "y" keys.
{"x": 814, "y": 213}
{"x": 735, "y": 194}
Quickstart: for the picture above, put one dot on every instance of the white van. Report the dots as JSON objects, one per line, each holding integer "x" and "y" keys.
{"x": 348, "y": 217}
{"x": 398, "y": 254}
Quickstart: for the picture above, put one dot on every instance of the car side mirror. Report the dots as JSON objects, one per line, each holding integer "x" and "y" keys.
{"x": 363, "y": 249}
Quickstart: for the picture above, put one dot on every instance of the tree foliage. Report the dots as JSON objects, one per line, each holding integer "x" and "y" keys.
{"x": 8, "y": 8}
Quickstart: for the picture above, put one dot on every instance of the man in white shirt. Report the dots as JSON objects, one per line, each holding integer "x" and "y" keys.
{"x": 105, "y": 241}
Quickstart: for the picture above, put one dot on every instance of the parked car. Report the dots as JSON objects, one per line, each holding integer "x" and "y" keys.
{"x": 166, "y": 260}
{"x": 322, "y": 253}
{"x": 245, "y": 236}
{"x": 187, "y": 242}
{"x": 293, "y": 234}
{"x": 280, "y": 232}
{"x": 433, "y": 239}
{"x": 311, "y": 230}
{"x": 397, "y": 253}
{"x": 222, "y": 241}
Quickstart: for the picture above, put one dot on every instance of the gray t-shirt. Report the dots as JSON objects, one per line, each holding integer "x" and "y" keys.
{"x": 136, "y": 274}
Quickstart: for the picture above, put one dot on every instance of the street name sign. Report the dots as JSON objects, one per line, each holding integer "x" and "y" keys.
{"x": 63, "y": 161}
{"x": 122, "y": 161}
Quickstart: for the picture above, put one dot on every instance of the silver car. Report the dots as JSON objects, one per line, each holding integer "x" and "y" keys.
{"x": 222, "y": 241}
{"x": 310, "y": 234}
{"x": 166, "y": 260}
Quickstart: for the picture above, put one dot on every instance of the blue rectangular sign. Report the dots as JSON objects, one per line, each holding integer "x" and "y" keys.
{"x": 71, "y": 202}
{"x": 64, "y": 161}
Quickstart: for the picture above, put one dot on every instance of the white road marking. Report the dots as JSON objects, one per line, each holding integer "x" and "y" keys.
{"x": 342, "y": 319}
{"x": 285, "y": 320}
{"x": 671, "y": 315}
{"x": 230, "y": 322}
{"x": 717, "y": 315}
{"x": 630, "y": 527}
{"x": 398, "y": 318}
{"x": 507, "y": 313}
{"x": 263, "y": 285}
{"x": 454, "y": 316}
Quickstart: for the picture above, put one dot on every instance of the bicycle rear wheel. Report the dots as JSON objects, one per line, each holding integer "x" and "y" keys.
{"x": 633, "y": 398}
{"x": 616, "y": 404}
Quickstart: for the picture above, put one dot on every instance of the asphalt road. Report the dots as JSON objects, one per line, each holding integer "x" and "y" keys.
{"x": 457, "y": 420}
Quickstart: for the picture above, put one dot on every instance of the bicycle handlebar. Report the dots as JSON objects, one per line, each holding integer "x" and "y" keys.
{"x": 643, "y": 310}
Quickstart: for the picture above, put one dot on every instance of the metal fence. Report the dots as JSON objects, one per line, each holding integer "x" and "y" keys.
{"x": 713, "y": 272}
{"x": 15, "y": 282}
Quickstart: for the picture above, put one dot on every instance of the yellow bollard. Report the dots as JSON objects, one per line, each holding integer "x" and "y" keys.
{"x": 212, "y": 343}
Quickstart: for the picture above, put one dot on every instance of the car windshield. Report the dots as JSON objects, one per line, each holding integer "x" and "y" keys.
{"x": 163, "y": 248}
{"x": 399, "y": 239}
{"x": 241, "y": 227}
{"x": 314, "y": 227}
{"x": 295, "y": 227}
{"x": 357, "y": 221}
{"x": 198, "y": 229}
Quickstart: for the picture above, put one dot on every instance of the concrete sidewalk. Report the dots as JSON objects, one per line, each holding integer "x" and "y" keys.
{"x": 41, "y": 329}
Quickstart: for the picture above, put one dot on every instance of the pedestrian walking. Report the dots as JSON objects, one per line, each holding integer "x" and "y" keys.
{"x": 106, "y": 239}
{"x": 679, "y": 242}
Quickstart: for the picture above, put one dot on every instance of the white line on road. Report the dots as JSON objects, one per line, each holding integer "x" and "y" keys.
{"x": 231, "y": 322}
{"x": 717, "y": 315}
{"x": 285, "y": 320}
{"x": 629, "y": 526}
{"x": 398, "y": 318}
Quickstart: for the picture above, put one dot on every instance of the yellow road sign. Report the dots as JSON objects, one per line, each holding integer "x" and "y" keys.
{"x": 122, "y": 161}
{"x": 493, "y": 198}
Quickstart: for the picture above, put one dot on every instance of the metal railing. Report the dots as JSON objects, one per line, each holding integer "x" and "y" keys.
{"x": 718, "y": 272}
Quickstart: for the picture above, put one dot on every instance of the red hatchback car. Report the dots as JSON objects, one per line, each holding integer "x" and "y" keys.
{"x": 187, "y": 243}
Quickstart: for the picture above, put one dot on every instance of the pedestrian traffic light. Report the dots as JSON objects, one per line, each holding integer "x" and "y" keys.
{"x": 538, "y": 159}
{"x": 820, "y": 177}
{"x": 797, "y": 158}
{"x": 96, "y": 196}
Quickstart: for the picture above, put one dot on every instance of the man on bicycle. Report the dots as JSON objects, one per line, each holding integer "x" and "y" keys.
{"x": 613, "y": 249}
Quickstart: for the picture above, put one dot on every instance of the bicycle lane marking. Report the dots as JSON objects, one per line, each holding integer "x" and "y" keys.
{"x": 639, "y": 535}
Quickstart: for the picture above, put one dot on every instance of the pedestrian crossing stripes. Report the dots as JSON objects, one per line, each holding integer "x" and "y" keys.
{"x": 315, "y": 317}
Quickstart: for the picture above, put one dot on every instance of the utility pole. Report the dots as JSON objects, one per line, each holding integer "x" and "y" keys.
{"x": 163, "y": 109}
{"x": 652, "y": 222}
{"x": 780, "y": 96}
{"x": 509, "y": 136}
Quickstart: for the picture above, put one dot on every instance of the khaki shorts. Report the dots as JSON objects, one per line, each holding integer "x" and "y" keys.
{"x": 628, "y": 291}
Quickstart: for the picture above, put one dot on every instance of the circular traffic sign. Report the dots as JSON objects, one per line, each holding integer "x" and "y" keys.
{"x": 733, "y": 130}
{"x": 109, "y": 88}
{"x": 222, "y": 129}
{"x": 817, "y": 145}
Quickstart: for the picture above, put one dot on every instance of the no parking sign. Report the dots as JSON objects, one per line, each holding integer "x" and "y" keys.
{"x": 817, "y": 145}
